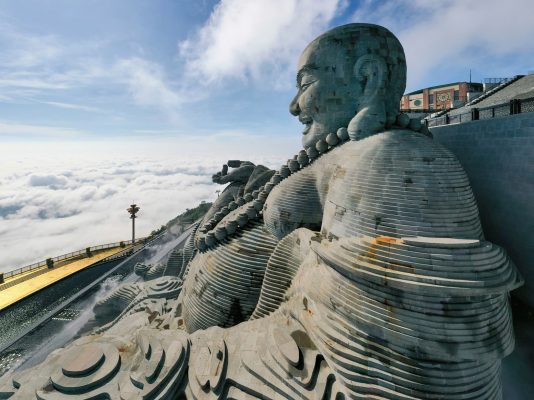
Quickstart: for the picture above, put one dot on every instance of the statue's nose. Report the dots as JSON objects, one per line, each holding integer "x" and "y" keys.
{"x": 294, "y": 106}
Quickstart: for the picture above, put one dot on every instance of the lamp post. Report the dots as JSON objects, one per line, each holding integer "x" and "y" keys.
{"x": 133, "y": 210}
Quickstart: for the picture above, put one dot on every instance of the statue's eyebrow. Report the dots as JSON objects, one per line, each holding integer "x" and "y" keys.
{"x": 305, "y": 68}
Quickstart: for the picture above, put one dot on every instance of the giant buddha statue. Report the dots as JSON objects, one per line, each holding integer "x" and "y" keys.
{"x": 359, "y": 270}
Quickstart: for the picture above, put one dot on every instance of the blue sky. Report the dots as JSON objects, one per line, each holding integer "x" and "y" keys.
{"x": 149, "y": 70}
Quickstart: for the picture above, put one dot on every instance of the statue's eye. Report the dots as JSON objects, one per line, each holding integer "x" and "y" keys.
{"x": 304, "y": 86}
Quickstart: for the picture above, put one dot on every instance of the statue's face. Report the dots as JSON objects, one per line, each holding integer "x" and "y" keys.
{"x": 327, "y": 92}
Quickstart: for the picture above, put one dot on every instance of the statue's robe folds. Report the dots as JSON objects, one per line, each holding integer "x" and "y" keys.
{"x": 398, "y": 296}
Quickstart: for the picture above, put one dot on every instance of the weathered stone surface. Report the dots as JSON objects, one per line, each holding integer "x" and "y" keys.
{"x": 148, "y": 365}
{"x": 152, "y": 297}
{"x": 110, "y": 307}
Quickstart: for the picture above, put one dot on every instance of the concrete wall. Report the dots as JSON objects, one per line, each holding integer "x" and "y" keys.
{"x": 498, "y": 156}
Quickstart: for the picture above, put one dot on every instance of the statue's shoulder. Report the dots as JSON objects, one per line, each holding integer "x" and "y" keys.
{"x": 388, "y": 151}
{"x": 402, "y": 139}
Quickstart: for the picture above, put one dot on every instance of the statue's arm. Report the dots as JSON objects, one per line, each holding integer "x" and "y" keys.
{"x": 240, "y": 172}
{"x": 236, "y": 178}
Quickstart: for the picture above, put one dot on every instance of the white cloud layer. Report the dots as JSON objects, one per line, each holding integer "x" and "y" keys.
{"x": 49, "y": 208}
{"x": 54, "y": 205}
{"x": 256, "y": 39}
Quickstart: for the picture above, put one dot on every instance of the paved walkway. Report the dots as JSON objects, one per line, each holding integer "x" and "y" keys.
{"x": 24, "y": 289}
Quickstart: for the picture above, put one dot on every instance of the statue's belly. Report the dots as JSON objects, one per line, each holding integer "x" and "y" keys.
{"x": 294, "y": 203}
{"x": 399, "y": 184}
{"x": 223, "y": 284}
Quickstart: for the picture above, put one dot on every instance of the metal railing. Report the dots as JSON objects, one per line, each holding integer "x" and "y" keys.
{"x": 39, "y": 267}
{"x": 62, "y": 257}
{"x": 121, "y": 254}
{"x": 497, "y": 80}
{"x": 512, "y": 107}
{"x": 423, "y": 110}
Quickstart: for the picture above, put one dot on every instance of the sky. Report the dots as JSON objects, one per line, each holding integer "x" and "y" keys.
{"x": 103, "y": 102}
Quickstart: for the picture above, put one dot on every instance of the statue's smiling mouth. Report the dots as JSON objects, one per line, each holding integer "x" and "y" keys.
{"x": 307, "y": 124}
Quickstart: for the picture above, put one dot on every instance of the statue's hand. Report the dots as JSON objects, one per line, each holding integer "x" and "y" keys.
{"x": 240, "y": 173}
{"x": 216, "y": 178}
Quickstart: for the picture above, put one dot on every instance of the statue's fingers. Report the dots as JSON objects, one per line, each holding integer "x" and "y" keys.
{"x": 234, "y": 163}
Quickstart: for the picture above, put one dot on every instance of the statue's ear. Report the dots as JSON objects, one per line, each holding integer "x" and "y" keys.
{"x": 371, "y": 70}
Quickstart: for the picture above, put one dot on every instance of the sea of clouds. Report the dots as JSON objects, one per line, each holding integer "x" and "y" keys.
{"x": 52, "y": 205}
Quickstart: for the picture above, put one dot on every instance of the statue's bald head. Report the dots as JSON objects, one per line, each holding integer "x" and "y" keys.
{"x": 346, "y": 71}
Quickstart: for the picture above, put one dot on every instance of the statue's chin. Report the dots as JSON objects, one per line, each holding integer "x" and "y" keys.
{"x": 312, "y": 136}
